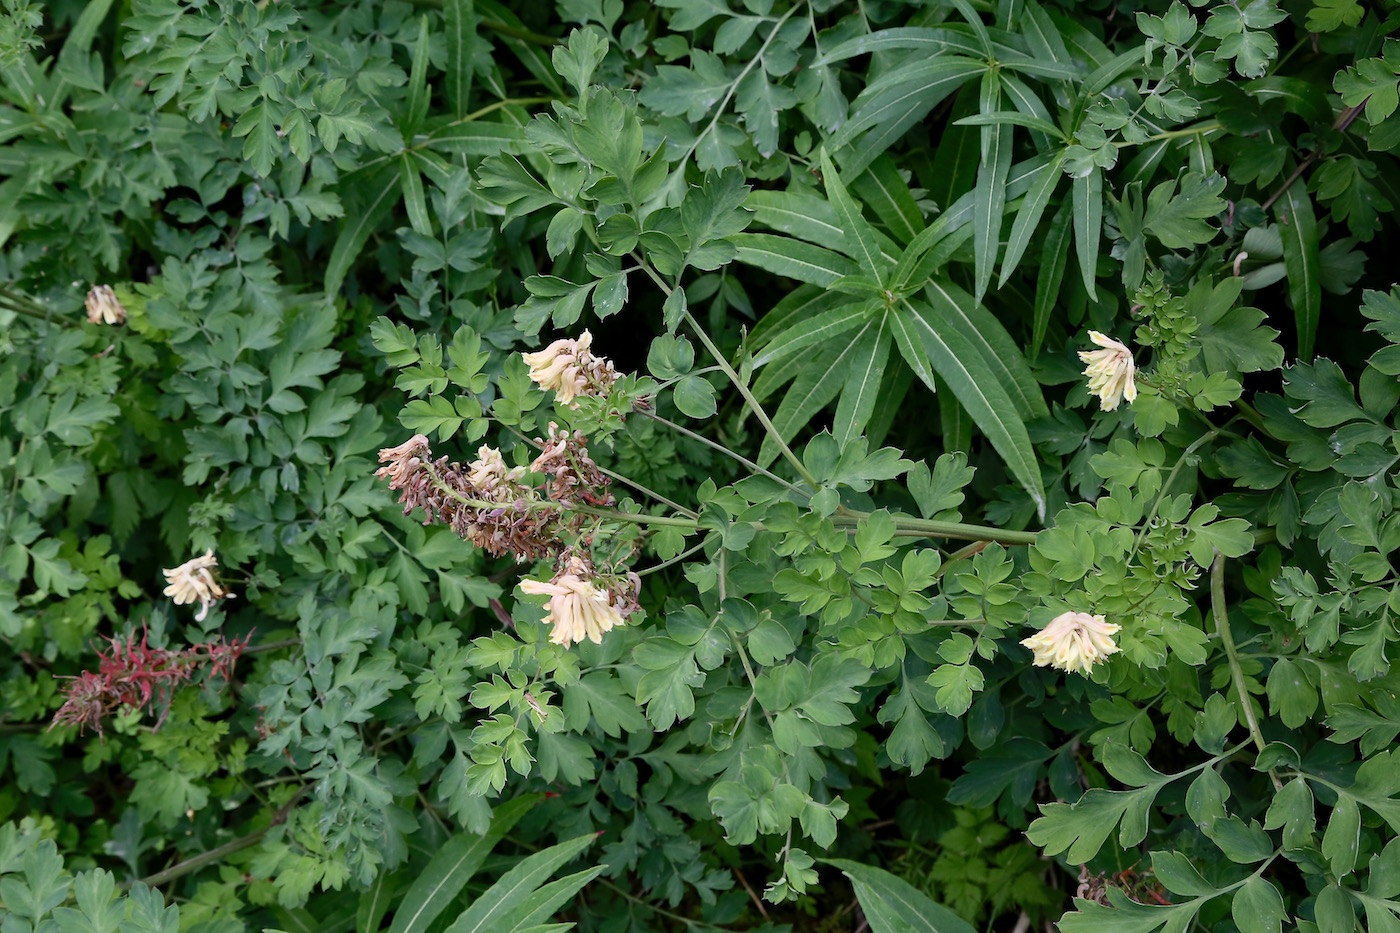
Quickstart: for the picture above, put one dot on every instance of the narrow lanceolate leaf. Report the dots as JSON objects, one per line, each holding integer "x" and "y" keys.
{"x": 990, "y": 191}
{"x": 959, "y": 215}
{"x": 814, "y": 331}
{"x": 1088, "y": 223}
{"x": 1303, "y": 262}
{"x": 1028, "y": 217}
{"x": 905, "y": 95}
{"x": 461, "y": 47}
{"x": 792, "y": 258}
{"x": 968, "y": 376}
{"x": 953, "y": 419}
{"x": 379, "y": 190}
{"x": 868, "y": 360}
{"x": 488, "y": 913}
{"x": 986, "y": 333}
{"x": 893, "y": 905}
{"x": 885, "y": 192}
{"x": 416, "y": 107}
{"x": 374, "y": 904}
{"x": 536, "y": 909}
{"x": 805, "y": 216}
{"x": 928, "y": 42}
{"x": 478, "y": 138}
{"x": 453, "y": 866}
{"x": 414, "y": 202}
{"x": 1054, "y": 256}
{"x": 800, "y": 304}
{"x": 816, "y": 385}
{"x": 858, "y": 237}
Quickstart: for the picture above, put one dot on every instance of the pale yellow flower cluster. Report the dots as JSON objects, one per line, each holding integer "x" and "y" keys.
{"x": 569, "y": 369}
{"x": 1073, "y": 641}
{"x": 193, "y": 581}
{"x": 1110, "y": 371}
{"x": 103, "y": 306}
{"x": 578, "y": 608}
{"x": 488, "y": 473}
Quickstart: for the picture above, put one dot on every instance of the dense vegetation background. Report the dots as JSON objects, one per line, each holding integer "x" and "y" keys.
{"x": 842, "y": 257}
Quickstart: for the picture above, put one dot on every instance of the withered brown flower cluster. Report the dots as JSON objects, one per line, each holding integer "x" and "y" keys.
{"x": 491, "y": 505}
{"x": 498, "y": 509}
{"x": 137, "y": 675}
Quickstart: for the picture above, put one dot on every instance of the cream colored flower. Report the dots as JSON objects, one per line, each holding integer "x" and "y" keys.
{"x": 1073, "y": 641}
{"x": 403, "y": 461}
{"x": 578, "y": 609}
{"x": 1110, "y": 371}
{"x": 558, "y": 367}
{"x": 103, "y": 306}
{"x": 489, "y": 470}
{"x": 193, "y": 581}
{"x": 567, "y": 368}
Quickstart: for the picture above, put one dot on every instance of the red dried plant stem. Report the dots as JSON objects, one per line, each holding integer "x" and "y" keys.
{"x": 135, "y": 674}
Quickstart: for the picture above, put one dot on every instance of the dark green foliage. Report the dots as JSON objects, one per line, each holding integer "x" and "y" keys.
{"x": 842, "y": 256}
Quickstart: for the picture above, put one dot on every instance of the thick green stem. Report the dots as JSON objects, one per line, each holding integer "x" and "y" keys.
{"x": 1227, "y": 639}
{"x": 196, "y": 862}
{"x": 7, "y": 303}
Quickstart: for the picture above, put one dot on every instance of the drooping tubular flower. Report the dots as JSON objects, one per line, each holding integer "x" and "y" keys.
{"x": 578, "y": 607}
{"x": 193, "y": 581}
{"x": 1110, "y": 371}
{"x": 1073, "y": 641}
{"x": 103, "y": 306}
{"x": 403, "y": 461}
{"x": 567, "y": 368}
{"x": 492, "y": 479}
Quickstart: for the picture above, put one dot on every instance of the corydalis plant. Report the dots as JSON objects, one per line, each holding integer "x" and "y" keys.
{"x": 498, "y": 509}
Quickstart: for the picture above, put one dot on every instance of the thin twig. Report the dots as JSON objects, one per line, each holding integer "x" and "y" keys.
{"x": 721, "y": 448}
{"x": 1343, "y": 121}
{"x": 753, "y": 895}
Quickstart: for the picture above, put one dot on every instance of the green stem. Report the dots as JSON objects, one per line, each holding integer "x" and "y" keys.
{"x": 1167, "y": 485}
{"x": 721, "y": 448}
{"x": 753, "y": 404}
{"x": 1204, "y": 128}
{"x": 9, "y": 304}
{"x": 958, "y": 531}
{"x": 734, "y": 85}
{"x": 739, "y": 384}
{"x": 1227, "y": 639}
{"x": 636, "y": 518}
{"x": 213, "y": 855}
{"x": 688, "y": 513}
